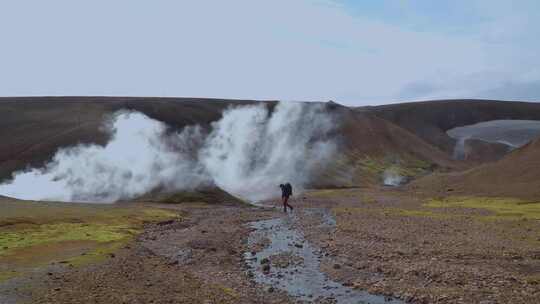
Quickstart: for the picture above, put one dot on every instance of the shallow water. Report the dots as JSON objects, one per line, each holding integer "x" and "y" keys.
{"x": 302, "y": 277}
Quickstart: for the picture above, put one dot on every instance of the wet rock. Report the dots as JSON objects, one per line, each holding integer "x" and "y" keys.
{"x": 164, "y": 223}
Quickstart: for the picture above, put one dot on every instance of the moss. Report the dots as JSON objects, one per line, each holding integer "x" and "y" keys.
{"x": 500, "y": 208}
{"x": 99, "y": 253}
{"x": 422, "y": 213}
{"x": 230, "y": 292}
{"x": 407, "y": 167}
{"x": 533, "y": 279}
{"x": 372, "y": 165}
{"x": 77, "y": 235}
{"x": 101, "y": 233}
{"x": 6, "y": 275}
{"x": 395, "y": 211}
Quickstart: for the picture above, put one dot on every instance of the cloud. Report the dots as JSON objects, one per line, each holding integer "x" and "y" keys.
{"x": 515, "y": 91}
{"x": 299, "y": 50}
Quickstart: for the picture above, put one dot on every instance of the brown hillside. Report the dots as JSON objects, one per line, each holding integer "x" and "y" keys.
{"x": 370, "y": 145}
{"x": 479, "y": 151}
{"x": 431, "y": 119}
{"x": 516, "y": 175}
{"x": 33, "y": 128}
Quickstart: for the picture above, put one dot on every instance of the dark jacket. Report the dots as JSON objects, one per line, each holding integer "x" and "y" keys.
{"x": 286, "y": 190}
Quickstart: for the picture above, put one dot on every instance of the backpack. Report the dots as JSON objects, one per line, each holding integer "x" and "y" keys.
{"x": 288, "y": 188}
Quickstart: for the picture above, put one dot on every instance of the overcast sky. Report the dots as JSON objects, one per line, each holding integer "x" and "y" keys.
{"x": 354, "y": 52}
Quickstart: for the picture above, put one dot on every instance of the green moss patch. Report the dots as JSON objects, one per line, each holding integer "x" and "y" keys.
{"x": 36, "y": 234}
{"x": 6, "y": 275}
{"x": 500, "y": 208}
{"x": 391, "y": 211}
{"x": 11, "y": 241}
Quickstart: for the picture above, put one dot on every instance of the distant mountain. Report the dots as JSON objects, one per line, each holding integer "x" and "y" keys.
{"x": 408, "y": 140}
{"x": 430, "y": 120}
{"x": 516, "y": 175}
{"x": 371, "y": 145}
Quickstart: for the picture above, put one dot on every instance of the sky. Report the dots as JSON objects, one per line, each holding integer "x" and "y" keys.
{"x": 353, "y": 52}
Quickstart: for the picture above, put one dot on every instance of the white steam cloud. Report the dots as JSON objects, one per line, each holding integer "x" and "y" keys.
{"x": 392, "y": 177}
{"x": 247, "y": 153}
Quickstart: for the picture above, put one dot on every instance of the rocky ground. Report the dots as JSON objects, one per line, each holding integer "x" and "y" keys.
{"x": 383, "y": 241}
{"x": 388, "y": 243}
{"x": 197, "y": 260}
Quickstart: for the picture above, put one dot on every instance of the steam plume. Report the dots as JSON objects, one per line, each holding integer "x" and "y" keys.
{"x": 247, "y": 153}
{"x": 392, "y": 177}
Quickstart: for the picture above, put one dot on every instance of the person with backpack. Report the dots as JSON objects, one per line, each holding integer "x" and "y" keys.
{"x": 286, "y": 192}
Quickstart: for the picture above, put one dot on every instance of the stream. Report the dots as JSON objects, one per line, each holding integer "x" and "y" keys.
{"x": 288, "y": 262}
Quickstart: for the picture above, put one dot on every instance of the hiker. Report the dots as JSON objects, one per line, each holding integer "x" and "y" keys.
{"x": 286, "y": 192}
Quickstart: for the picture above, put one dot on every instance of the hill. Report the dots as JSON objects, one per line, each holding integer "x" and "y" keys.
{"x": 33, "y": 128}
{"x": 516, "y": 175}
{"x": 370, "y": 146}
{"x": 401, "y": 141}
{"x": 209, "y": 195}
{"x": 431, "y": 119}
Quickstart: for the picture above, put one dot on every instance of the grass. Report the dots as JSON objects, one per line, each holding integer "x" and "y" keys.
{"x": 355, "y": 168}
{"x": 501, "y": 208}
{"x": 498, "y": 208}
{"x": 394, "y": 211}
{"x": 11, "y": 241}
{"x": 36, "y": 234}
{"x": 6, "y": 275}
{"x": 409, "y": 168}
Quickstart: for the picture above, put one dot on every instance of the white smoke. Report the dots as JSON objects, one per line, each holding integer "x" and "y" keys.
{"x": 460, "y": 152}
{"x": 248, "y": 153}
{"x": 391, "y": 177}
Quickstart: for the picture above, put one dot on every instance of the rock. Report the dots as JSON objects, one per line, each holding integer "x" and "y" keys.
{"x": 337, "y": 266}
{"x": 265, "y": 261}
{"x": 164, "y": 223}
{"x": 298, "y": 245}
{"x": 266, "y": 268}
{"x": 270, "y": 289}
